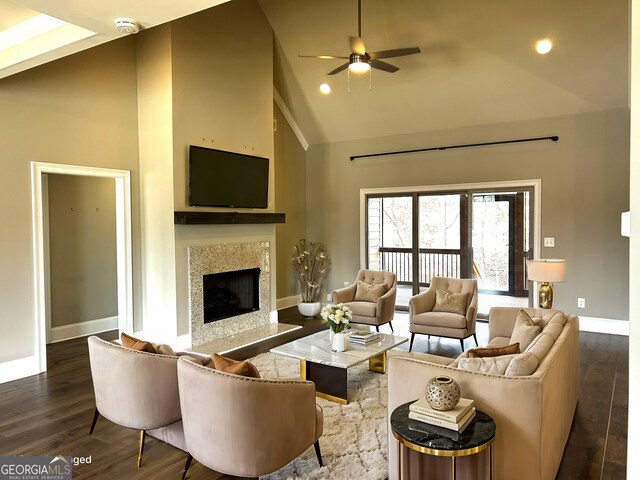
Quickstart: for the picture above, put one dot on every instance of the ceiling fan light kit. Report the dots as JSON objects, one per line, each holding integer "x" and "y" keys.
{"x": 359, "y": 60}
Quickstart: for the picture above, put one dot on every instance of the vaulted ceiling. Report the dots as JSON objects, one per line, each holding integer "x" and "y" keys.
{"x": 477, "y": 64}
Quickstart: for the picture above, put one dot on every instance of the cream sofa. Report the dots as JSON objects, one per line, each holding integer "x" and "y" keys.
{"x": 533, "y": 413}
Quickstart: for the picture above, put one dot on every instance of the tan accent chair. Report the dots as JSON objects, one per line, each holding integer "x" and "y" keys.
{"x": 370, "y": 313}
{"x": 137, "y": 390}
{"x": 244, "y": 426}
{"x": 422, "y": 318}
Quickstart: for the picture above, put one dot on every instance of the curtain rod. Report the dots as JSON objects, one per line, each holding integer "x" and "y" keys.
{"x": 553, "y": 138}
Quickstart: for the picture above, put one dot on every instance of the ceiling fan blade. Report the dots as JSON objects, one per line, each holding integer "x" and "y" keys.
{"x": 323, "y": 57}
{"x": 387, "y": 67}
{"x": 398, "y": 52}
{"x": 357, "y": 45}
{"x": 339, "y": 69}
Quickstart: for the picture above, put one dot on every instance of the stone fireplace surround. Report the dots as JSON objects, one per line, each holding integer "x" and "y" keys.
{"x": 204, "y": 260}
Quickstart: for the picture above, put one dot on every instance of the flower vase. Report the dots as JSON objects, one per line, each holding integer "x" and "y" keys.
{"x": 309, "y": 309}
{"x": 339, "y": 342}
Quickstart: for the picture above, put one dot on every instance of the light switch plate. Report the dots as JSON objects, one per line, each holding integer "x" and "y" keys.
{"x": 549, "y": 241}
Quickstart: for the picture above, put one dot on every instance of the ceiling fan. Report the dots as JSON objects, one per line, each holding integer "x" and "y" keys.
{"x": 360, "y": 60}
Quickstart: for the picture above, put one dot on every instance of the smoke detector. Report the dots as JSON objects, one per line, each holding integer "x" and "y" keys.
{"x": 127, "y": 25}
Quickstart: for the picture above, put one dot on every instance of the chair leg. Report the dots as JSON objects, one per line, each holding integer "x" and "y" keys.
{"x": 96, "y": 414}
{"x": 187, "y": 465}
{"x": 411, "y": 343}
{"x": 462, "y": 344}
{"x": 318, "y": 454}
{"x": 391, "y": 327}
{"x": 143, "y": 433}
{"x": 475, "y": 339}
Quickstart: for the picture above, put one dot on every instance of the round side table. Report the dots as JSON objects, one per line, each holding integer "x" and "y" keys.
{"x": 477, "y": 437}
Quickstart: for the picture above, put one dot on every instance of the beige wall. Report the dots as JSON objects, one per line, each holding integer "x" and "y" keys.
{"x": 584, "y": 190}
{"x": 155, "y": 127}
{"x": 222, "y": 98}
{"x": 82, "y": 249}
{"x": 79, "y": 110}
{"x": 290, "y": 192}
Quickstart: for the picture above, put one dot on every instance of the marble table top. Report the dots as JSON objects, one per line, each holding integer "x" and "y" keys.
{"x": 316, "y": 348}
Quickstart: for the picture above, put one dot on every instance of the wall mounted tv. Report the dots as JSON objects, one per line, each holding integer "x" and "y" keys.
{"x": 226, "y": 179}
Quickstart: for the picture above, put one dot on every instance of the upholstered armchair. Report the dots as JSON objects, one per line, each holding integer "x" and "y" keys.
{"x": 245, "y": 426}
{"x": 137, "y": 390}
{"x": 371, "y": 298}
{"x": 446, "y": 309}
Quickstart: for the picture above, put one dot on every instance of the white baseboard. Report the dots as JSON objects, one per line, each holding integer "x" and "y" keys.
{"x": 604, "y": 325}
{"x": 287, "y": 302}
{"x": 81, "y": 329}
{"x": 20, "y": 368}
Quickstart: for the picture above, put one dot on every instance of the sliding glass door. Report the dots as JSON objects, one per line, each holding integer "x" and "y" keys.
{"x": 469, "y": 234}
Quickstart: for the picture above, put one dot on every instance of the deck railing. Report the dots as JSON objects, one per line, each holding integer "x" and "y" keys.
{"x": 433, "y": 262}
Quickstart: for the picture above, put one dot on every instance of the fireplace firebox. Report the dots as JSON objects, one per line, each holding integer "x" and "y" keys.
{"x": 228, "y": 294}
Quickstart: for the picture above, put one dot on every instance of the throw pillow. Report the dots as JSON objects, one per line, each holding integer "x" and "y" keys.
{"x": 451, "y": 302}
{"x": 491, "y": 365}
{"x": 136, "y": 344}
{"x": 494, "y": 352}
{"x": 163, "y": 349}
{"x": 369, "y": 292}
{"x": 237, "y": 367}
{"x": 524, "y": 331}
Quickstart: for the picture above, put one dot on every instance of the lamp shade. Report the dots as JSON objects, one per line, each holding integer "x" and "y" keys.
{"x": 550, "y": 270}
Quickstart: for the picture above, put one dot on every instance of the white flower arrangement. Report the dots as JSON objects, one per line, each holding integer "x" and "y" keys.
{"x": 337, "y": 316}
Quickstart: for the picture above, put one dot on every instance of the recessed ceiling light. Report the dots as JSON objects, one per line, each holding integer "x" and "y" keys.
{"x": 27, "y": 30}
{"x": 325, "y": 89}
{"x": 544, "y": 46}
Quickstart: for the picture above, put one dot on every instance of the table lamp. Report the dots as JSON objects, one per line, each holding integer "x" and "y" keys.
{"x": 546, "y": 271}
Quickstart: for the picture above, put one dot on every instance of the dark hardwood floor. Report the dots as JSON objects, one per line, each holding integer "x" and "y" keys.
{"x": 50, "y": 414}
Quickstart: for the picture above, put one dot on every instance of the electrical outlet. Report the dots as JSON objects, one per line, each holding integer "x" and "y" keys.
{"x": 346, "y": 284}
{"x": 582, "y": 303}
{"x": 549, "y": 241}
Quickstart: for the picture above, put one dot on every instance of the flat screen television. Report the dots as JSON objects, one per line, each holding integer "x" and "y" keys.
{"x": 226, "y": 179}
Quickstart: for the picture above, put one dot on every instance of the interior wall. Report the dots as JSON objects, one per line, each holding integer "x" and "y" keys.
{"x": 224, "y": 49}
{"x": 78, "y": 110}
{"x": 584, "y": 190}
{"x": 633, "y": 439}
{"x": 290, "y": 198}
{"x": 155, "y": 130}
{"x": 82, "y": 249}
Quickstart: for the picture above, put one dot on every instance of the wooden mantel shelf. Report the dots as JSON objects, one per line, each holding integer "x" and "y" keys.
{"x": 220, "y": 218}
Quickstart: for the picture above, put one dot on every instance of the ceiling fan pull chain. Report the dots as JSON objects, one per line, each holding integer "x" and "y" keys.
{"x": 348, "y": 82}
{"x": 370, "y": 79}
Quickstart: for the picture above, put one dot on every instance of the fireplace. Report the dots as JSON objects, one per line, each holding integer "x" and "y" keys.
{"x": 209, "y": 269}
{"x": 228, "y": 294}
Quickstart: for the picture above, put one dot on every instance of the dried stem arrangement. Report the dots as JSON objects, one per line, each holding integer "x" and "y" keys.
{"x": 310, "y": 263}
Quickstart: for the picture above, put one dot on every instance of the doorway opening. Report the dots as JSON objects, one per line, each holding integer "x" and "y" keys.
{"x": 123, "y": 245}
{"x": 481, "y": 231}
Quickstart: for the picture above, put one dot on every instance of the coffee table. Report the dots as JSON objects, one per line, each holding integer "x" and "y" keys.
{"x": 328, "y": 369}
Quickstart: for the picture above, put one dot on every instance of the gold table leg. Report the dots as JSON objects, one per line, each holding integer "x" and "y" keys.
{"x": 399, "y": 460}
{"x": 378, "y": 364}
{"x": 491, "y": 462}
{"x": 453, "y": 468}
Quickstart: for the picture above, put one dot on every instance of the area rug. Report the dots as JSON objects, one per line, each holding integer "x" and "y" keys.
{"x": 354, "y": 442}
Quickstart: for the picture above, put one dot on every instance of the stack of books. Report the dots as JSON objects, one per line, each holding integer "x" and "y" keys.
{"x": 446, "y": 422}
{"x": 364, "y": 336}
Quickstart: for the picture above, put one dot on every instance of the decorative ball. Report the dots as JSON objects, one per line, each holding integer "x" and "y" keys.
{"x": 442, "y": 393}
